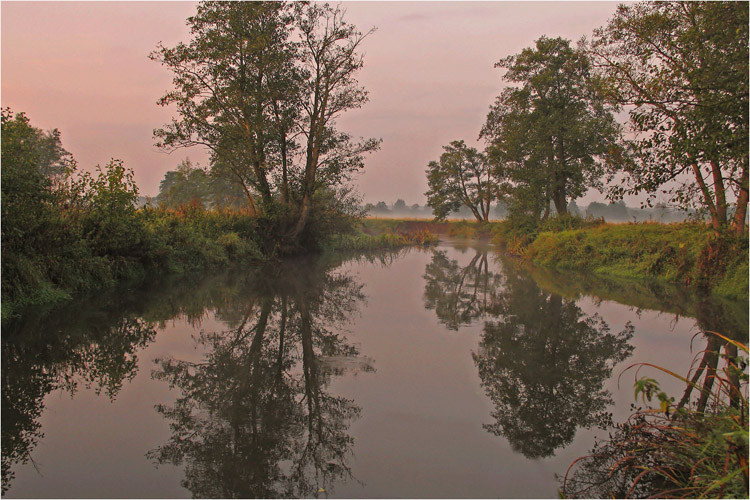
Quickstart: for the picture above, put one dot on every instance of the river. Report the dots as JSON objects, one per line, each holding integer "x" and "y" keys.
{"x": 444, "y": 372}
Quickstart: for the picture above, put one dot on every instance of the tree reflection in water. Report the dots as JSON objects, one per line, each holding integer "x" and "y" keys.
{"x": 461, "y": 294}
{"x": 543, "y": 362}
{"x": 254, "y": 418}
{"x": 43, "y": 353}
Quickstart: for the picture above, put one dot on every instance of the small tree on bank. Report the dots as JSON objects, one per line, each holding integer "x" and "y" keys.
{"x": 461, "y": 178}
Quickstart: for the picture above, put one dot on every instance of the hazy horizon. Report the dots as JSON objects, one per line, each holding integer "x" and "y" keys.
{"x": 83, "y": 68}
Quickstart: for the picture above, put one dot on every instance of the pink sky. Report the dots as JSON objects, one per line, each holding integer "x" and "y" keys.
{"x": 83, "y": 68}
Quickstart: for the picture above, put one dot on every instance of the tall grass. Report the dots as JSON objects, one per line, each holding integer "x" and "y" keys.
{"x": 696, "y": 447}
{"x": 387, "y": 241}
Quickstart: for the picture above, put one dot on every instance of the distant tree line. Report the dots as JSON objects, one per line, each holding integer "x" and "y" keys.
{"x": 679, "y": 69}
{"x": 613, "y": 211}
{"x": 190, "y": 184}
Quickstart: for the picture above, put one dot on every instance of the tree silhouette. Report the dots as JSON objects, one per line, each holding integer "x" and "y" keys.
{"x": 542, "y": 361}
{"x": 96, "y": 350}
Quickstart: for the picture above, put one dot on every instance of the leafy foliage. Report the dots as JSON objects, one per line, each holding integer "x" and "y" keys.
{"x": 691, "y": 449}
{"x": 74, "y": 231}
{"x": 551, "y": 136}
{"x": 460, "y": 179}
{"x": 681, "y": 68}
{"x": 260, "y": 85}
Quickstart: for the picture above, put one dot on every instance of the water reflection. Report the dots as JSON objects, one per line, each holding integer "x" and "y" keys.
{"x": 461, "y": 294}
{"x": 710, "y": 313}
{"x": 654, "y": 452}
{"x": 65, "y": 350}
{"x": 254, "y": 418}
{"x": 543, "y": 362}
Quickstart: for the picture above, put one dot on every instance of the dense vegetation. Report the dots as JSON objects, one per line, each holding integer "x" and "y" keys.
{"x": 65, "y": 231}
{"x": 267, "y": 191}
{"x": 680, "y": 70}
{"x": 688, "y": 254}
{"x": 261, "y": 86}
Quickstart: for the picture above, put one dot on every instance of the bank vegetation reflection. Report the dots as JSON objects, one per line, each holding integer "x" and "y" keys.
{"x": 254, "y": 417}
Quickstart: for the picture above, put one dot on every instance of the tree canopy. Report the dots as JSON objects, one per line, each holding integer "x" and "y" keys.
{"x": 261, "y": 85}
{"x": 549, "y": 134}
{"x": 461, "y": 178}
{"x": 681, "y": 69}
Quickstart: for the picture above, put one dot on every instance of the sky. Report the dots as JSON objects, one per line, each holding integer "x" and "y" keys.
{"x": 83, "y": 68}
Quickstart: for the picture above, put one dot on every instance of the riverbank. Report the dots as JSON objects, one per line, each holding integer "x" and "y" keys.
{"x": 96, "y": 252}
{"x": 452, "y": 228}
{"x": 686, "y": 254}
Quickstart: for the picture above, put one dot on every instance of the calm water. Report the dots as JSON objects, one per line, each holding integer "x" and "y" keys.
{"x": 440, "y": 373}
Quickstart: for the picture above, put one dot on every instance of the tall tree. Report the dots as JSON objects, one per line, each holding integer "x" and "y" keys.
{"x": 330, "y": 62}
{"x": 549, "y": 135}
{"x": 225, "y": 82}
{"x": 460, "y": 179}
{"x": 682, "y": 69}
{"x": 261, "y": 85}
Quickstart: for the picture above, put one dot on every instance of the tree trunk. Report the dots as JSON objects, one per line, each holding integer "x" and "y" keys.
{"x": 706, "y": 196}
{"x": 249, "y": 196}
{"x": 559, "y": 199}
{"x": 721, "y": 199}
{"x": 546, "y": 210}
{"x": 476, "y": 213}
{"x": 264, "y": 187}
{"x": 712, "y": 360}
{"x": 741, "y": 210}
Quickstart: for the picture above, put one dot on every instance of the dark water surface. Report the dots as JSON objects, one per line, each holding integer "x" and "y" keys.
{"x": 428, "y": 373}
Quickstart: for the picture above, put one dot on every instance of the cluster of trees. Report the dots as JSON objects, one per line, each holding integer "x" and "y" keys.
{"x": 261, "y": 85}
{"x": 679, "y": 69}
{"x": 189, "y": 184}
{"x": 59, "y": 225}
{"x": 65, "y": 230}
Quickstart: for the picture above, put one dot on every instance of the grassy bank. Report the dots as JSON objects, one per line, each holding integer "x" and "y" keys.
{"x": 453, "y": 229}
{"x": 688, "y": 254}
{"x": 685, "y": 254}
{"x": 91, "y": 251}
